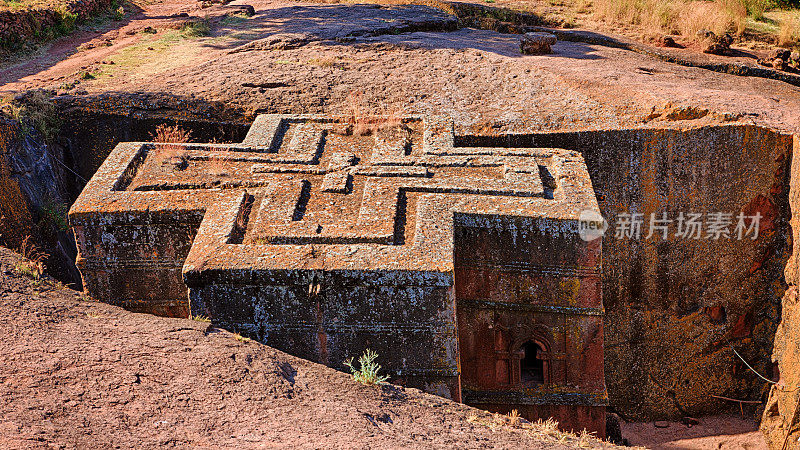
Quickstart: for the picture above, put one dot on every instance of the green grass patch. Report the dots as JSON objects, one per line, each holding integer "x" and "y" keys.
{"x": 197, "y": 29}
{"x": 234, "y": 19}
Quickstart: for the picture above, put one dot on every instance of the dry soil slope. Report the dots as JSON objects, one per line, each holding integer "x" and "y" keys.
{"x": 80, "y": 373}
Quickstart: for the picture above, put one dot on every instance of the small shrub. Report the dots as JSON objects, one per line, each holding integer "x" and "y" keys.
{"x": 323, "y": 62}
{"x": 201, "y": 319}
{"x": 354, "y": 123}
{"x": 241, "y": 338}
{"x": 171, "y": 134}
{"x": 55, "y": 215}
{"x": 66, "y": 21}
{"x": 367, "y": 373}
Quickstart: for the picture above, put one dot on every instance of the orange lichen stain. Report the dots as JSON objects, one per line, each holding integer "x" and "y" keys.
{"x": 15, "y": 219}
{"x": 570, "y": 287}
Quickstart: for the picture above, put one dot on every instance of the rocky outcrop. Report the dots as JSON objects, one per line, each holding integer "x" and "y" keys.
{"x": 15, "y": 219}
{"x": 716, "y": 45}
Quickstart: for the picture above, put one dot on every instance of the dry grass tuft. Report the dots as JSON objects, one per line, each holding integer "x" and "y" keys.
{"x": 543, "y": 430}
{"x": 241, "y": 338}
{"x": 174, "y": 155}
{"x": 684, "y": 17}
{"x": 172, "y": 134}
{"x": 356, "y": 123}
{"x": 789, "y": 31}
{"x": 33, "y": 264}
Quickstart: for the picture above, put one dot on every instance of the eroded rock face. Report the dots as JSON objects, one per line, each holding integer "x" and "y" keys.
{"x": 676, "y": 307}
{"x": 462, "y": 266}
{"x": 779, "y": 422}
{"x": 32, "y": 198}
{"x": 15, "y": 219}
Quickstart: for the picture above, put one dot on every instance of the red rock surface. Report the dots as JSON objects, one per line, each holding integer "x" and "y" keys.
{"x": 84, "y": 374}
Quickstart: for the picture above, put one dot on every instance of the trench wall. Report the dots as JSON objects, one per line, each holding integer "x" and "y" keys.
{"x": 33, "y": 199}
{"x": 779, "y": 421}
{"x": 38, "y": 181}
{"x": 85, "y": 151}
{"x": 675, "y": 307}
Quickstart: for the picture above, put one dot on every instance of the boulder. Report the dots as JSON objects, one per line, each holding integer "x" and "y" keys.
{"x": 783, "y": 54}
{"x": 716, "y": 45}
{"x": 536, "y": 43}
{"x": 667, "y": 41}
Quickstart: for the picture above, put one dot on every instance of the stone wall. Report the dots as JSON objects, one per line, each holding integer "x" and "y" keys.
{"x": 519, "y": 284}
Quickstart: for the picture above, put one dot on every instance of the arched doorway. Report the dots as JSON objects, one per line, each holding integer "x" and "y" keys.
{"x": 532, "y": 365}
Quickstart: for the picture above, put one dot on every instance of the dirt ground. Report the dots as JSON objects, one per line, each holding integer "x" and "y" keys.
{"x": 331, "y": 58}
{"x": 78, "y": 374}
{"x": 712, "y": 433}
